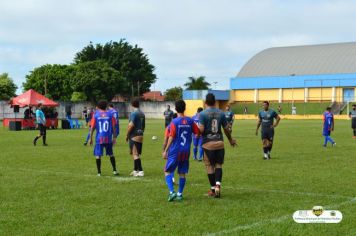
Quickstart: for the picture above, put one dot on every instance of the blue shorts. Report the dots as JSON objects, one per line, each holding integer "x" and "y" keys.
{"x": 175, "y": 160}
{"x": 99, "y": 149}
{"x": 197, "y": 141}
{"x": 326, "y": 132}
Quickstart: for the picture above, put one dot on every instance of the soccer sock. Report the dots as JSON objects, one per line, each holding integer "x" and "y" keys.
{"x": 330, "y": 139}
{"x": 87, "y": 139}
{"x": 201, "y": 153}
{"x": 136, "y": 164}
{"x": 98, "y": 165}
{"x": 44, "y": 139}
{"x": 113, "y": 163}
{"x": 354, "y": 132}
{"x": 326, "y": 140}
{"x": 265, "y": 150}
{"x": 36, "y": 139}
{"x": 270, "y": 148}
{"x": 195, "y": 150}
{"x": 212, "y": 179}
{"x": 169, "y": 183}
{"x": 182, "y": 181}
{"x": 218, "y": 175}
{"x": 139, "y": 165}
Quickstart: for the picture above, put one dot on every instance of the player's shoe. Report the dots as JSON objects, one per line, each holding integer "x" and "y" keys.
{"x": 211, "y": 192}
{"x": 179, "y": 198}
{"x": 115, "y": 173}
{"x": 334, "y": 144}
{"x": 172, "y": 196}
{"x": 217, "y": 191}
{"x": 99, "y": 174}
{"x": 140, "y": 174}
{"x": 45, "y": 144}
{"x": 85, "y": 143}
{"x": 265, "y": 156}
{"x": 324, "y": 145}
{"x": 134, "y": 173}
{"x": 269, "y": 155}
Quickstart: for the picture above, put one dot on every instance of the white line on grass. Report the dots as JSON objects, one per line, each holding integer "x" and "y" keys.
{"x": 275, "y": 220}
{"x": 115, "y": 178}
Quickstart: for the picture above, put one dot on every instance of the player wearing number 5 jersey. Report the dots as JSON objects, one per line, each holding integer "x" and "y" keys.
{"x": 210, "y": 122}
{"x": 104, "y": 124}
{"x": 177, "y": 150}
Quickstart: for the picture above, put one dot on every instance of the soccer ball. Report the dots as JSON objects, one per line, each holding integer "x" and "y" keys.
{"x": 154, "y": 137}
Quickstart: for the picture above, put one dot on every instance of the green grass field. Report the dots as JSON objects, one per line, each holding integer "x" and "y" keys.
{"x": 54, "y": 190}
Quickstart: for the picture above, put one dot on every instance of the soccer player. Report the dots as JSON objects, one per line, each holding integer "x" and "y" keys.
{"x": 210, "y": 122}
{"x": 168, "y": 116}
{"x": 115, "y": 114}
{"x": 352, "y": 115}
{"x": 134, "y": 136}
{"x": 90, "y": 116}
{"x": 197, "y": 140}
{"x": 178, "y": 149}
{"x": 166, "y": 137}
{"x": 328, "y": 126}
{"x": 41, "y": 122}
{"x": 104, "y": 124}
{"x": 266, "y": 118}
{"x": 230, "y": 117}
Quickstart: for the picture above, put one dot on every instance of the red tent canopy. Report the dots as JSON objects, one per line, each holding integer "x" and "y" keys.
{"x": 32, "y": 98}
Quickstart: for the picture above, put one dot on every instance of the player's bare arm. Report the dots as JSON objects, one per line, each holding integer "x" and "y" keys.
{"x": 165, "y": 151}
{"x": 228, "y": 135}
{"x": 278, "y": 119}
{"x": 129, "y": 129}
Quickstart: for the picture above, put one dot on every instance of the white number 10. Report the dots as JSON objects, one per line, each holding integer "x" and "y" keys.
{"x": 103, "y": 126}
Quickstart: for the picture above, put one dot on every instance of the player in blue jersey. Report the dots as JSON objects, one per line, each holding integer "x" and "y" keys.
{"x": 90, "y": 117}
{"x": 177, "y": 150}
{"x": 230, "y": 117}
{"x": 352, "y": 115}
{"x": 115, "y": 114}
{"x": 104, "y": 124}
{"x": 197, "y": 140}
{"x": 328, "y": 126}
{"x": 166, "y": 137}
{"x": 266, "y": 119}
{"x": 211, "y": 120}
{"x": 134, "y": 137}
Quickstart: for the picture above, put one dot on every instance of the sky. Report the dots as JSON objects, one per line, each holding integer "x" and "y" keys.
{"x": 181, "y": 38}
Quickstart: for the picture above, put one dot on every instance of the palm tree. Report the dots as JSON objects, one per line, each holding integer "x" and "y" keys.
{"x": 197, "y": 83}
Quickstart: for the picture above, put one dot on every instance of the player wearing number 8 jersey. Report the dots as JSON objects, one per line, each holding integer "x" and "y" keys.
{"x": 177, "y": 150}
{"x": 104, "y": 124}
{"x": 210, "y": 122}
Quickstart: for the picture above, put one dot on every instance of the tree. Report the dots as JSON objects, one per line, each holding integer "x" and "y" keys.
{"x": 197, "y": 83}
{"x": 78, "y": 97}
{"x": 97, "y": 80}
{"x": 173, "y": 94}
{"x": 7, "y": 87}
{"x": 130, "y": 61}
{"x": 52, "y": 80}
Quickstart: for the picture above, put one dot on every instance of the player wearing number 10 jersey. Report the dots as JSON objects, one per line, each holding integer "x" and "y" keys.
{"x": 104, "y": 124}
{"x": 177, "y": 150}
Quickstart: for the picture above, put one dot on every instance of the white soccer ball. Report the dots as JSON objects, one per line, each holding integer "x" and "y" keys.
{"x": 154, "y": 137}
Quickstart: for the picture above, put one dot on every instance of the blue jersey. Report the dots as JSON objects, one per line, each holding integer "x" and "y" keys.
{"x": 267, "y": 118}
{"x": 229, "y": 115}
{"x": 181, "y": 130}
{"x": 196, "y": 118}
{"x": 137, "y": 118}
{"x": 103, "y": 122}
{"x": 40, "y": 117}
{"x": 115, "y": 115}
{"x": 212, "y": 119}
{"x": 328, "y": 119}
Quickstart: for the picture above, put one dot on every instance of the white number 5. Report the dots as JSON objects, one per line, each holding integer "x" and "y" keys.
{"x": 184, "y": 139}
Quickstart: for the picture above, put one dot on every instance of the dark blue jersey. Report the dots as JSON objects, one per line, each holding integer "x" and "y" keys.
{"x": 267, "y": 118}
{"x": 229, "y": 115}
{"x": 138, "y": 120}
{"x": 212, "y": 119}
{"x": 103, "y": 123}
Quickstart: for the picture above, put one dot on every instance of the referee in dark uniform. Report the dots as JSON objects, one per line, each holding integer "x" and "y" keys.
{"x": 41, "y": 122}
{"x": 352, "y": 115}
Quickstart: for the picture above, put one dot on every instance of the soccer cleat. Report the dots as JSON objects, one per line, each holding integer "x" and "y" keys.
{"x": 179, "y": 198}
{"x": 324, "y": 146}
{"x": 45, "y": 144}
{"x": 99, "y": 174}
{"x": 269, "y": 156}
{"x": 217, "y": 191}
{"x": 211, "y": 192}
{"x": 334, "y": 144}
{"x": 115, "y": 172}
{"x": 172, "y": 196}
{"x": 140, "y": 174}
{"x": 134, "y": 173}
{"x": 265, "y": 156}
{"x": 85, "y": 143}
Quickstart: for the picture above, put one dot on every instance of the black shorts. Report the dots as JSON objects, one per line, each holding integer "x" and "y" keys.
{"x": 137, "y": 145}
{"x": 353, "y": 123}
{"x": 213, "y": 157}
{"x": 42, "y": 129}
{"x": 267, "y": 134}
